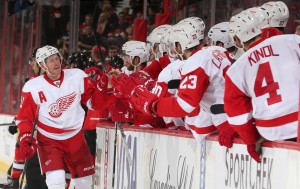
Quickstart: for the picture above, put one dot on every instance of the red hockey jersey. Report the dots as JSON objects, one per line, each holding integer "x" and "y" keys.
{"x": 202, "y": 84}
{"x": 61, "y": 115}
{"x": 262, "y": 90}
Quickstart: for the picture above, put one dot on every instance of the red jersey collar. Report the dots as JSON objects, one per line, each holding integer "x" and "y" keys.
{"x": 256, "y": 43}
{"x": 196, "y": 50}
{"x": 270, "y": 32}
{"x": 52, "y": 82}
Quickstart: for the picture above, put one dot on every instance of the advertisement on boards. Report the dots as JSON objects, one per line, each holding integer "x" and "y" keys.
{"x": 235, "y": 169}
{"x": 157, "y": 161}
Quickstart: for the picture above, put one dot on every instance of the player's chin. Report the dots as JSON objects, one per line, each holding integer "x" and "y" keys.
{"x": 56, "y": 71}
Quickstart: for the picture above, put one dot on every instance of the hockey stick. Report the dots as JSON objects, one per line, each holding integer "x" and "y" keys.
{"x": 119, "y": 124}
{"x": 7, "y": 124}
{"x": 96, "y": 14}
{"x": 100, "y": 119}
{"x": 30, "y": 142}
{"x": 115, "y": 150}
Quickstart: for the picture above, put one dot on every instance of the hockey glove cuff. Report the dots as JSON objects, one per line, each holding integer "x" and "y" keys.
{"x": 144, "y": 100}
{"x": 27, "y": 149}
{"x": 226, "y": 136}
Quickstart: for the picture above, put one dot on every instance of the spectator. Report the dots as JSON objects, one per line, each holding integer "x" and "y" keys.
{"x": 125, "y": 10}
{"x": 87, "y": 22}
{"x": 111, "y": 16}
{"x": 55, "y": 21}
{"x": 65, "y": 37}
{"x": 122, "y": 24}
{"x": 103, "y": 27}
{"x": 96, "y": 56}
{"x": 113, "y": 50}
{"x": 151, "y": 16}
{"x": 87, "y": 40}
{"x": 129, "y": 32}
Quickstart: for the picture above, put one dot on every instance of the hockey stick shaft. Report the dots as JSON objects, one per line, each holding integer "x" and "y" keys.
{"x": 7, "y": 124}
{"x": 115, "y": 151}
{"x": 125, "y": 143}
{"x": 30, "y": 142}
{"x": 96, "y": 14}
{"x": 100, "y": 119}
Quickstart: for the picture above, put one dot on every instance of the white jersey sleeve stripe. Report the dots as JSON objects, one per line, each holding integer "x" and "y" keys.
{"x": 185, "y": 106}
{"x": 240, "y": 119}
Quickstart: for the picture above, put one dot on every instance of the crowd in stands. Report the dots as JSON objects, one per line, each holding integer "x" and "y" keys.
{"x": 112, "y": 31}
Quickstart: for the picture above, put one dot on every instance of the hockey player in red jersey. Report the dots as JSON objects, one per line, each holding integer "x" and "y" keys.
{"x": 137, "y": 53}
{"x": 155, "y": 67}
{"x": 58, "y": 93}
{"x": 219, "y": 36}
{"x": 202, "y": 84}
{"x": 199, "y": 123}
{"x": 262, "y": 87}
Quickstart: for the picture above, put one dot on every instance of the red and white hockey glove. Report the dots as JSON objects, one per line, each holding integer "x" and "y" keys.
{"x": 125, "y": 84}
{"x": 226, "y": 136}
{"x": 142, "y": 76}
{"x": 144, "y": 100}
{"x": 120, "y": 111}
{"x": 251, "y": 148}
{"x": 102, "y": 83}
{"x": 27, "y": 149}
{"x": 92, "y": 71}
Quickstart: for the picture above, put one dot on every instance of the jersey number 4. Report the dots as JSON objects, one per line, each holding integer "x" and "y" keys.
{"x": 264, "y": 73}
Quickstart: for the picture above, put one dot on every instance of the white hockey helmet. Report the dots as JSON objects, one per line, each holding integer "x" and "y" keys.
{"x": 220, "y": 32}
{"x": 136, "y": 48}
{"x": 197, "y": 23}
{"x": 244, "y": 25}
{"x": 262, "y": 14}
{"x": 45, "y": 52}
{"x": 279, "y": 13}
{"x": 156, "y": 35}
{"x": 185, "y": 34}
{"x": 163, "y": 45}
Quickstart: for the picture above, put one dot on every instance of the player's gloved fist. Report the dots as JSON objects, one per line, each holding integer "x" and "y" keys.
{"x": 102, "y": 83}
{"x": 92, "y": 71}
{"x": 142, "y": 76}
{"x": 13, "y": 129}
{"x": 120, "y": 111}
{"x": 125, "y": 84}
{"x": 144, "y": 100}
{"x": 27, "y": 149}
{"x": 251, "y": 148}
{"x": 226, "y": 136}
